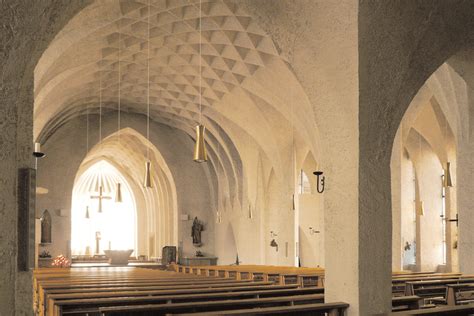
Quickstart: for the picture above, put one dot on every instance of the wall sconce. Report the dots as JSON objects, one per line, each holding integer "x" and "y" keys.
{"x": 274, "y": 244}
{"x": 455, "y": 220}
{"x": 313, "y": 231}
{"x": 37, "y": 152}
{"x": 320, "y": 181}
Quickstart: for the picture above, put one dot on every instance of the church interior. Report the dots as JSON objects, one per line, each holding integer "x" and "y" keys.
{"x": 218, "y": 157}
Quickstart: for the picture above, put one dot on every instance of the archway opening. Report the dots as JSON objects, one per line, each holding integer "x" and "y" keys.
{"x": 98, "y": 220}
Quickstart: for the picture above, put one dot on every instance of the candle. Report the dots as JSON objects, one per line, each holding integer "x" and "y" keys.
{"x": 37, "y": 147}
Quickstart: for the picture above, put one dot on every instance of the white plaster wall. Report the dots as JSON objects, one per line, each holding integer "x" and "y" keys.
{"x": 311, "y": 245}
{"x": 408, "y": 212}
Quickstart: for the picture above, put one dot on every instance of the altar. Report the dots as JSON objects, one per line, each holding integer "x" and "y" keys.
{"x": 198, "y": 261}
{"x": 118, "y": 257}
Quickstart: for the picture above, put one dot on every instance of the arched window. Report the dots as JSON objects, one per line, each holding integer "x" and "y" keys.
{"x": 99, "y": 222}
{"x": 303, "y": 183}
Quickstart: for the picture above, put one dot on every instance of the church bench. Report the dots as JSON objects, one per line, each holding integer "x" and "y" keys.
{"x": 196, "y": 306}
{"x": 406, "y": 303}
{"x": 155, "y": 283}
{"x": 136, "y": 291}
{"x": 399, "y": 285}
{"x": 460, "y": 310}
{"x": 424, "y": 274}
{"x": 432, "y": 288}
{"x": 173, "y": 295}
{"x": 261, "y": 274}
{"x": 57, "y": 298}
{"x": 458, "y": 294}
{"x": 321, "y": 309}
{"x": 431, "y": 277}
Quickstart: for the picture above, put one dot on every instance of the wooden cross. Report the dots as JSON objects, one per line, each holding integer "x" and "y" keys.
{"x": 100, "y": 197}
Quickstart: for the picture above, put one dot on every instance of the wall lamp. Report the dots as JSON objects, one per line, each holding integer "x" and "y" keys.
{"x": 313, "y": 231}
{"x": 320, "y": 181}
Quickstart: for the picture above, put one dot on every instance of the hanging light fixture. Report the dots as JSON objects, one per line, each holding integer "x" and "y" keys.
{"x": 200, "y": 153}
{"x": 147, "y": 180}
{"x": 448, "y": 182}
{"x": 421, "y": 208}
{"x": 118, "y": 193}
{"x": 118, "y": 187}
{"x": 87, "y": 213}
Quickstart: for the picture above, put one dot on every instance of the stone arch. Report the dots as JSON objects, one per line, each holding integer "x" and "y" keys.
{"x": 126, "y": 150}
{"x": 384, "y": 99}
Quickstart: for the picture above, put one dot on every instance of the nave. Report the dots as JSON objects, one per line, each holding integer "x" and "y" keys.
{"x": 270, "y": 134}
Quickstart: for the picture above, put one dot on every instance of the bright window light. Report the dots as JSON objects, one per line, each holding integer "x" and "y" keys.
{"x": 116, "y": 225}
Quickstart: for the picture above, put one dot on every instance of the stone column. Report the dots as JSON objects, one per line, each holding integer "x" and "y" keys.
{"x": 396, "y": 171}
{"x": 465, "y": 193}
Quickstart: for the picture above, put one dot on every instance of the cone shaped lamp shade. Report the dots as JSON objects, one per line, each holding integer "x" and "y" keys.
{"x": 448, "y": 182}
{"x": 147, "y": 180}
{"x": 118, "y": 193}
{"x": 421, "y": 208}
{"x": 200, "y": 153}
{"x": 87, "y": 213}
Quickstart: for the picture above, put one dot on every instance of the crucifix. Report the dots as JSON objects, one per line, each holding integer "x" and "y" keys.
{"x": 100, "y": 197}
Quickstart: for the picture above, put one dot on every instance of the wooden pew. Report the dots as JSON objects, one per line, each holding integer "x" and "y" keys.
{"x": 432, "y": 288}
{"x": 46, "y": 289}
{"x": 93, "y": 304}
{"x": 333, "y": 309}
{"x": 458, "y": 294}
{"x": 460, "y": 310}
{"x": 158, "y": 305}
{"x": 50, "y": 298}
{"x": 399, "y": 284}
{"x": 406, "y": 303}
{"x": 306, "y": 276}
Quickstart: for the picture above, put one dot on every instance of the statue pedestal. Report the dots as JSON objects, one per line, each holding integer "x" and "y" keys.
{"x": 198, "y": 261}
{"x": 118, "y": 257}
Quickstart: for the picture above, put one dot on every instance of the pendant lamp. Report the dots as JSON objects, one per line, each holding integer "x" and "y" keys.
{"x": 421, "y": 208}
{"x": 200, "y": 153}
{"x": 448, "y": 182}
{"x": 118, "y": 193}
{"x": 147, "y": 181}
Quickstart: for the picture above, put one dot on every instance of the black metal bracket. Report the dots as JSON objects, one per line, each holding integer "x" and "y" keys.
{"x": 320, "y": 181}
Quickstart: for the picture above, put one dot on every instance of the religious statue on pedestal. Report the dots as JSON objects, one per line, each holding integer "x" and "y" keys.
{"x": 46, "y": 228}
{"x": 197, "y": 228}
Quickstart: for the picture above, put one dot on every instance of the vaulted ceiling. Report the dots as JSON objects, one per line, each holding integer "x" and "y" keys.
{"x": 106, "y": 48}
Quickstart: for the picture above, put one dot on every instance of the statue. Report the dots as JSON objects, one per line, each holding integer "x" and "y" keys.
{"x": 197, "y": 228}
{"x": 46, "y": 228}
